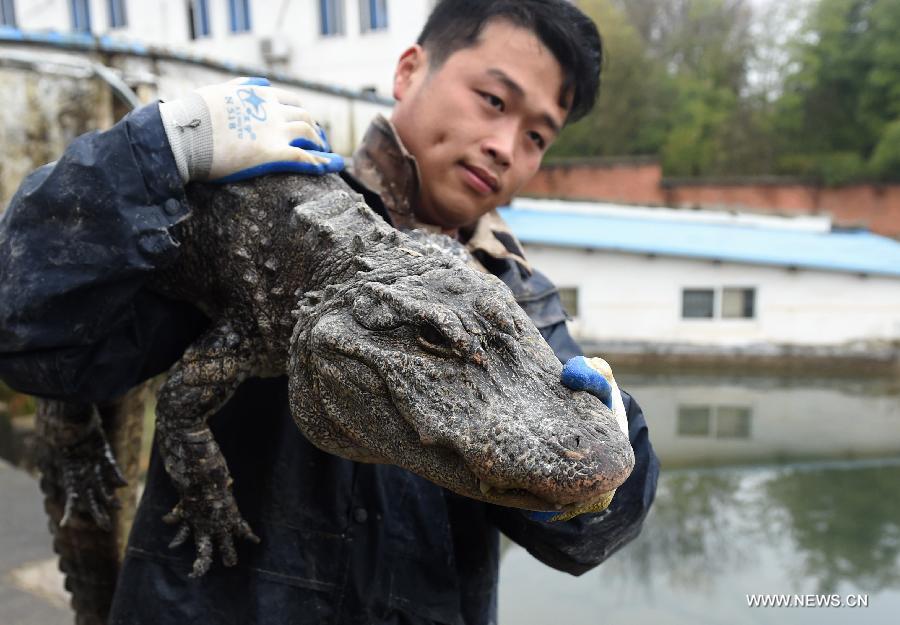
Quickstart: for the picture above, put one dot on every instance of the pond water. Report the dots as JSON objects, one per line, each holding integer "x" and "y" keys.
{"x": 769, "y": 486}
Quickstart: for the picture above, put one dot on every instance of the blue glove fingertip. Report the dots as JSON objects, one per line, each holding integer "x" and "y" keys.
{"x": 325, "y": 144}
{"x": 540, "y": 515}
{"x": 578, "y": 375}
{"x": 335, "y": 164}
{"x": 306, "y": 144}
{"x": 259, "y": 81}
{"x": 335, "y": 161}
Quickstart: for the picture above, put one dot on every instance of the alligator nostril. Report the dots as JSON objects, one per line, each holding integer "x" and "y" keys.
{"x": 577, "y": 442}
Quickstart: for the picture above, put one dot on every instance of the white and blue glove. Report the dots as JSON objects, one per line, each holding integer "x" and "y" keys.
{"x": 244, "y": 128}
{"x": 595, "y": 376}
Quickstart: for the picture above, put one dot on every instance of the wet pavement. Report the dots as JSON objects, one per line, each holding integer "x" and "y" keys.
{"x": 31, "y": 590}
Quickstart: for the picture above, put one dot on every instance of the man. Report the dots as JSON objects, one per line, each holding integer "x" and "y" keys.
{"x": 479, "y": 100}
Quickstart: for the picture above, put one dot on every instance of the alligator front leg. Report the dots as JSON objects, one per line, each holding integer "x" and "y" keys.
{"x": 198, "y": 385}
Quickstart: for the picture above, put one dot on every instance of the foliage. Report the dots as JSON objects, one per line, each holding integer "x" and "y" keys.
{"x": 674, "y": 72}
{"x": 631, "y": 113}
{"x": 845, "y": 91}
{"x": 885, "y": 161}
{"x": 808, "y": 88}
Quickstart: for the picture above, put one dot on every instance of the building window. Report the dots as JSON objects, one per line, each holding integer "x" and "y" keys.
{"x": 239, "y": 14}
{"x": 694, "y": 420}
{"x": 198, "y": 18}
{"x": 738, "y": 303}
{"x": 733, "y": 422}
{"x": 698, "y": 303}
{"x": 569, "y": 298}
{"x": 81, "y": 15}
{"x": 7, "y": 13}
{"x": 117, "y": 18}
{"x": 331, "y": 17}
{"x": 725, "y": 303}
{"x": 729, "y": 421}
{"x": 372, "y": 15}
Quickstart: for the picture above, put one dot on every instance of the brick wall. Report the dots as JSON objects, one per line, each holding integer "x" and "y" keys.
{"x": 640, "y": 181}
{"x": 630, "y": 181}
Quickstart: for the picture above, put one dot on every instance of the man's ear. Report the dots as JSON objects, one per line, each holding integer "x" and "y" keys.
{"x": 412, "y": 63}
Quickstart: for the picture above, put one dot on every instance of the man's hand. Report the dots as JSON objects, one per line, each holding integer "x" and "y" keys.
{"x": 595, "y": 376}
{"x": 244, "y": 128}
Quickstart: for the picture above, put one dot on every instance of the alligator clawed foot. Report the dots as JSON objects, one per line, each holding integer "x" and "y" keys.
{"x": 215, "y": 521}
{"x": 77, "y": 463}
{"x": 90, "y": 476}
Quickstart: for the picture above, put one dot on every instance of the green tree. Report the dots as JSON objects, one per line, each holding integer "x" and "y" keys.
{"x": 706, "y": 46}
{"x": 708, "y": 39}
{"x": 838, "y": 106}
{"x": 885, "y": 161}
{"x": 673, "y": 85}
{"x": 630, "y": 116}
{"x": 701, "y": 111}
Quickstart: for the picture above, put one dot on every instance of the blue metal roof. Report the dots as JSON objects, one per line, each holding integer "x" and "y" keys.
{"x": 855, "y": 252}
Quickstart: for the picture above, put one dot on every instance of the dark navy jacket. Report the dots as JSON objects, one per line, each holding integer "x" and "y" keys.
{"x": 341, "y": 542}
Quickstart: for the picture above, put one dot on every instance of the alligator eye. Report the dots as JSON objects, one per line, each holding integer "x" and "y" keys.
{"x": 432, "y": 338}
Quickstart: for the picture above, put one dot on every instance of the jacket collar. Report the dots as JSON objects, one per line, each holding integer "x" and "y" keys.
{"x": 385, "y": 166}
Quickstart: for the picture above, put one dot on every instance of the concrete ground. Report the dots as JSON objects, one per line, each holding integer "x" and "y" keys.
{"x": 31, "y": 591}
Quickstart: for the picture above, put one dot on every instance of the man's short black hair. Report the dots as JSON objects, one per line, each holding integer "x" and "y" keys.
{"x": 568, "y": 33}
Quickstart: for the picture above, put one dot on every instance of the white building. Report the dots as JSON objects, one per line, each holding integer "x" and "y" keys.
{"x": 660, "y": 279}
{"x": 349, "y": 43}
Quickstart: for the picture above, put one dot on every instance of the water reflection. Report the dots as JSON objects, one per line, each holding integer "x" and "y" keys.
{"x": 715, "y": 421}
{"x": 844, "y": 522}
{"x": 768, "y": 487}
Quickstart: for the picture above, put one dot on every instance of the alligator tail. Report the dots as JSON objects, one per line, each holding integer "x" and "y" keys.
{"x": 90, "y": 557}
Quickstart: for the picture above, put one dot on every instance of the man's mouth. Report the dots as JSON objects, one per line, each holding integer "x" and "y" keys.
{"x": 481, "y": 180}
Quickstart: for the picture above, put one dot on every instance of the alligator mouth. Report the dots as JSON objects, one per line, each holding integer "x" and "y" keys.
{"x": 526, "y": 499}
{"x": 493, "y": 493}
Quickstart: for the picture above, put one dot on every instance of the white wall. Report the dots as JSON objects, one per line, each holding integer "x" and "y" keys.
{"x": 44, "y": 110}
{"x": 354, "y": 60}
{"x": 634, "y": 298}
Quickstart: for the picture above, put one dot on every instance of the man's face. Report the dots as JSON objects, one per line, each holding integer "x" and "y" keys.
{"x": 480, "y": 123}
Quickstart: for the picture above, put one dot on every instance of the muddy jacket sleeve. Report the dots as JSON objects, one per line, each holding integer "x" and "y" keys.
{"x": 582, "y": 543}
{"x": 77, "y": 242}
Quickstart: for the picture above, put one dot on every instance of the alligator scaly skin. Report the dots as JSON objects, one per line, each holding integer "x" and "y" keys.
{"x": 394, "y": 351}
{"x": 90, "y": 553}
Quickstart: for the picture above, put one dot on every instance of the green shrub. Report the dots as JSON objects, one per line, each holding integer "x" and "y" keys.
{"x": 885, "y": 161}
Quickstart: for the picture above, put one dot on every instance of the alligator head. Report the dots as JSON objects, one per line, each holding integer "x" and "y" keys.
{"x": 420, "y": 361}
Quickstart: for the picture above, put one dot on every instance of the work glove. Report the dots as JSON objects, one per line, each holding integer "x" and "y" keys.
{"x": 595, "y": 376}
{"x": 244, "y": 128}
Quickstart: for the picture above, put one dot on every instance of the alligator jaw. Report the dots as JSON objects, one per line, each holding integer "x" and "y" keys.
{"x": 520, "y": 498}
{"x": 577, "y": 478}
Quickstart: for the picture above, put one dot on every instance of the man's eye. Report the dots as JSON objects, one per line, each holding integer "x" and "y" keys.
{"x": 493, "y": 100}
{"x": 537, "y": 138}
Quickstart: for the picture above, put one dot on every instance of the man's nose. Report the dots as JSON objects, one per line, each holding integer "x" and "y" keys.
{"x": 500, "y": 147}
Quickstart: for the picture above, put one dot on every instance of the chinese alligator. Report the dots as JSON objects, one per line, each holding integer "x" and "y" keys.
{"x": 396, "y": 352}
